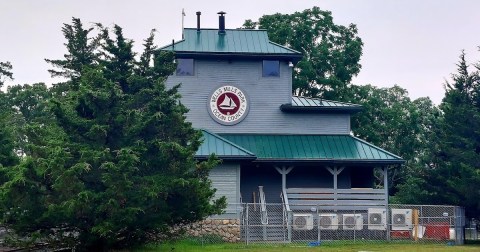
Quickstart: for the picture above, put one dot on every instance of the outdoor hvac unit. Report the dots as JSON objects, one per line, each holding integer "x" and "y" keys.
{"x": 377, "y": 219}
{"x": 352, "y": 222}
{"x": 401, "y": 219}
{"x": 302, "y": 222}
{"x": 328, "y": 221}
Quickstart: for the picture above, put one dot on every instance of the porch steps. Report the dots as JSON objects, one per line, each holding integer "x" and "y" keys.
{"x": 255, "y": 231}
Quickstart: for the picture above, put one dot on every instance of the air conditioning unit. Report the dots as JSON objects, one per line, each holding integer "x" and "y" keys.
{"x": 377, "y": 219}
{"x": 352, "y": 222}
{"x": 328, "y": 221}
{"x": 302, "y": 222}
{"x": 401, "y": 219}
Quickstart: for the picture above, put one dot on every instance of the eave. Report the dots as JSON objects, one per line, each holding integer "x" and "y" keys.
{"x": 289, "y": 108}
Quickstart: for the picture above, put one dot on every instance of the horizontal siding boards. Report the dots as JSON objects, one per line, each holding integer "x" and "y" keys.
{"x": 265, "y": 94}
{"x": 330, "y": 196}
{"x": 334, "y": 208}
{"x": 321, "y": 202}
{"x": 225, "y": 179}
{"x": 342, "y": 199}
{"x": 309, "y": 190}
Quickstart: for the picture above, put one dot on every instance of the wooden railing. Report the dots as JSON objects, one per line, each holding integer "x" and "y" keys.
{"x": 340, "y": 199}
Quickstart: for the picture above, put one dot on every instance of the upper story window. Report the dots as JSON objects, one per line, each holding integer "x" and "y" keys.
{"x": 271, "y": 68}
{"x": 185, "y": 67}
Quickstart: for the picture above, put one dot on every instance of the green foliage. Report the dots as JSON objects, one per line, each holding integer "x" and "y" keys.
{"x": 331, "y": 52}
{"x": 108, "y": 156}
{"x": 5, "y": 72}
{"x": 7, "y": 140}
{"x": 393, "y": 121}
{"x": 81, "y": 51}
{"x": 452, "y": 175}
{"x": 459, "y": 152}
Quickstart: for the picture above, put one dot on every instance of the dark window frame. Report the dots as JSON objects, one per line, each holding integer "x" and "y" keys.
{"x": 269, "y": 65}
{"x": 182, "y": 62}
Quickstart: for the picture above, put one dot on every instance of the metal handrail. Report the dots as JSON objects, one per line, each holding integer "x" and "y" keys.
{"x": 284, "y": 213}
{"x": 287, "y": 212}
{"x": 263, "y": 206}
{"x": 285, "y": 200}
{"x": 242, "y": 210}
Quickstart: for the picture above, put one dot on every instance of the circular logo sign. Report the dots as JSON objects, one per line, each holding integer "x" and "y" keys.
{"x": 228, "y": 105}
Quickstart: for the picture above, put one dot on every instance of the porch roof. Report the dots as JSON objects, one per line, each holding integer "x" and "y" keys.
{"x": 305, "y": 104}
{"x": 312, "y": 148}
{"x": 223, "y": 148}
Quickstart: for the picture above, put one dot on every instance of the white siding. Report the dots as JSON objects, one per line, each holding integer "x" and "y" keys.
{"x": 225, "y": 178}
{"x": 265, "y": 95}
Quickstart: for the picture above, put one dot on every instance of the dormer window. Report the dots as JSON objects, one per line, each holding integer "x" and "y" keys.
{"x": 185, "y": 67}
{"x": 271, "y": 68}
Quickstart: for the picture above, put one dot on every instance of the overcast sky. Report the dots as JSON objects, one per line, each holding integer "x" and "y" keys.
{"x": 412, "y": 43}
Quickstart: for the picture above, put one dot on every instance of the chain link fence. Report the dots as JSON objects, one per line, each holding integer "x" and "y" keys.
{"x": 312, "y": 226}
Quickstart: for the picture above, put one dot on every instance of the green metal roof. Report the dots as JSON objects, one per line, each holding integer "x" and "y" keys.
{"x": 304, "y": 104}
{"x": 316, "y": 102}
{"x": 312, "y": 148}
{"x": 222, "y": 148}
{"x": 239, "y": 42}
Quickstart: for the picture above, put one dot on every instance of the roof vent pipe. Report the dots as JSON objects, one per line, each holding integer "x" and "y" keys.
{"x": 221, "y": 22}
{"x": 198, "y": 20}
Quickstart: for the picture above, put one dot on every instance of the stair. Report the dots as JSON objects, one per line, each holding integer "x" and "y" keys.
{"x": 253, "y": 229}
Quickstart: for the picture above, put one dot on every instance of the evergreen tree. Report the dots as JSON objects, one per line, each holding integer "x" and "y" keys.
{"x": 116, "y": 168}
{"x": 5, "y": 72}
{"x": 452, "y": 175}
{"x": 458, "y": 169}
{"x": 80, "y": 51}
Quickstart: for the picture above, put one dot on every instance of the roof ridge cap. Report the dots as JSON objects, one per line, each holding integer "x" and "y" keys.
{"x": 376, "y": 147}
{"x": 282, "y": 46}
{"x": 229, "y": 142}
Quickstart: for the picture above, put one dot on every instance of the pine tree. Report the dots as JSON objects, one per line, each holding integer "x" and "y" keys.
{"x": 458, "y": 172}
{"x": 117, "y": 166}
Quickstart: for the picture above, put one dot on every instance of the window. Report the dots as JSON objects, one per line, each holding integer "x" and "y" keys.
{"x": 271, "y": 68}
{"x": 185, "y": 67}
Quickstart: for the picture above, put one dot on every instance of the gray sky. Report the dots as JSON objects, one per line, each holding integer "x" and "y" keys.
{"x": 412, "y": 43}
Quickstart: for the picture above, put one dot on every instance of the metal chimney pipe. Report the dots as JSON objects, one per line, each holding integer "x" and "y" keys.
{"x": 221, "y": 22}
{"x": 198, "y": 20}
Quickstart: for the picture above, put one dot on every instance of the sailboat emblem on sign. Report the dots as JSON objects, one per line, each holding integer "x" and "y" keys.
{"x": 227, "y": 103}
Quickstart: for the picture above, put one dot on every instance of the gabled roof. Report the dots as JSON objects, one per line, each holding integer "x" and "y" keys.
{"x": 222, "y": 148}
{"x": 304, "y": 104}
{"x": 235, "y": 42}
{"x": 313, "y": 148}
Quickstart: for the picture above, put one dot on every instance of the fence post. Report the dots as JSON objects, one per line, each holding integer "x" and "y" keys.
{"x": 289, "y": 218}
{"x": 459, "y": 226}
{"x": 247, "y": 233}
{"x": 415, "y": 224}
{"x": 389, "y": 222}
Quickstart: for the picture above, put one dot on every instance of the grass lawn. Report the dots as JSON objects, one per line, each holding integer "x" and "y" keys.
{"x": 340, "y": 247}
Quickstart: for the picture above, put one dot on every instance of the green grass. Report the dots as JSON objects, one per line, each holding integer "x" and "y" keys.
{"x": 187, "y": 245}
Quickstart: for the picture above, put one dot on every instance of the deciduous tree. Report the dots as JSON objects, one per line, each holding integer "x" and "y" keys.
{"x": 331, "y": 52}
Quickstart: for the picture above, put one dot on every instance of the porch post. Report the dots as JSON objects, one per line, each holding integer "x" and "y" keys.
{"x": 385, "y": 183}
{"x": 284, "y": 171}
{"x": 335, "y": 171}
{"x": 385, "y": 187}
